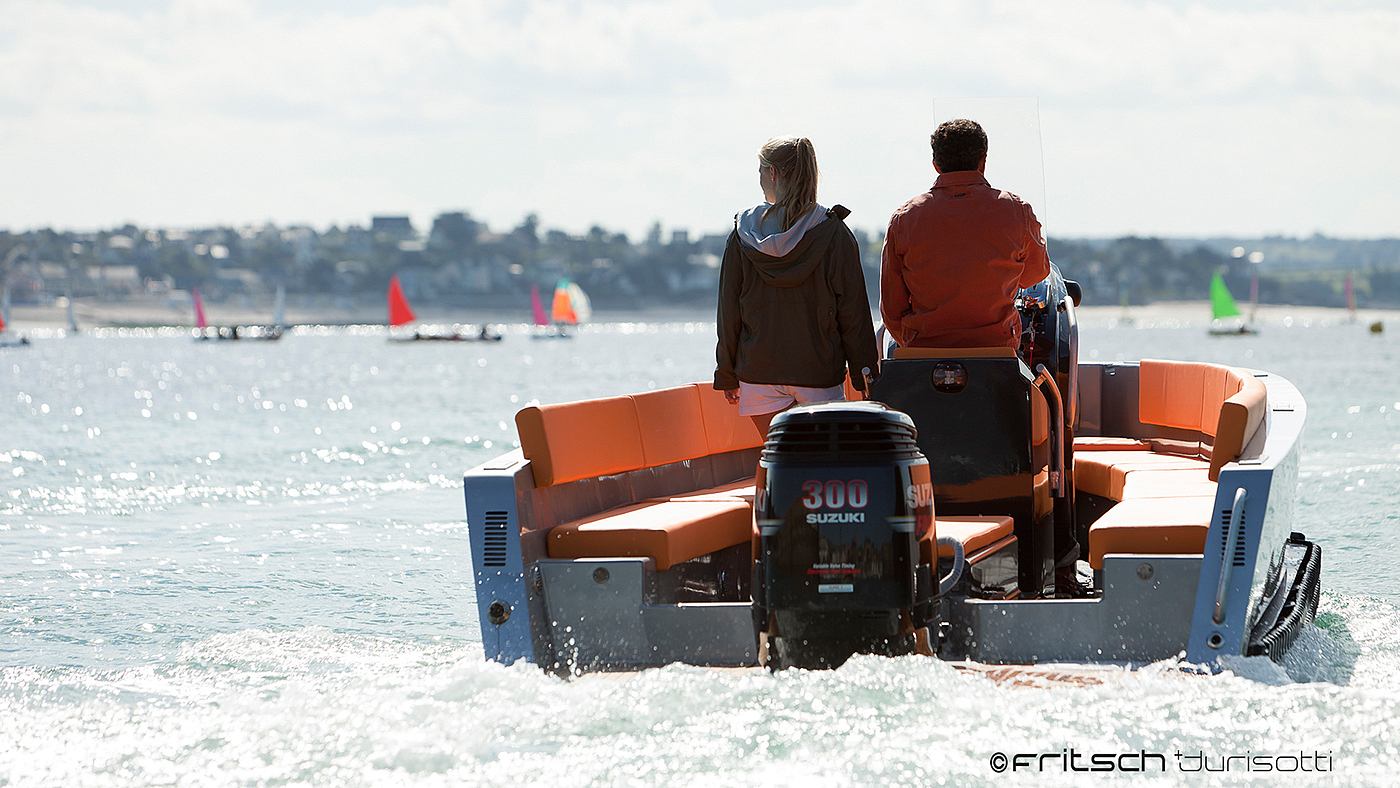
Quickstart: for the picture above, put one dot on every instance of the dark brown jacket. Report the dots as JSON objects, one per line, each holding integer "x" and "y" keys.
{"x": 802, "y": 319}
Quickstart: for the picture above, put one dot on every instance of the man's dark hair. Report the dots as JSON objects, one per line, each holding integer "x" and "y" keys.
{"x": 959, "y": 145}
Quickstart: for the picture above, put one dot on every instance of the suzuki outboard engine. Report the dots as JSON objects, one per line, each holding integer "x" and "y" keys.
{"x": 845, "y": 527}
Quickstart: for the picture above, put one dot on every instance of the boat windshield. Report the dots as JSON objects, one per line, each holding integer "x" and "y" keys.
{"x": 1014, "y": 159}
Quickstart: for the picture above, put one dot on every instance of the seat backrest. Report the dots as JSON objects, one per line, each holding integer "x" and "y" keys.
{"x": 568, "y": 441}
{"x": 1225, "y": 403}
{"x": 578, "y": 440}
{"x": 986, "y": 442}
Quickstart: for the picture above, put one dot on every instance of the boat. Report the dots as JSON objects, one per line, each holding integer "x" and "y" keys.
{"x": 203, "y": 332}
{"x": 1223, "y": 309}
{"x": 401, "y": 314}
{"x": 569, "y": 307}
{"x": 543, "y": 328}
{"x": 659, "y": 527}
{"x": 9, "y": 338}
{"x": 73, "y": 328}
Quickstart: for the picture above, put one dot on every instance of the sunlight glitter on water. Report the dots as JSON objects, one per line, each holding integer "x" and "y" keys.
{"x": 280, "y": 589}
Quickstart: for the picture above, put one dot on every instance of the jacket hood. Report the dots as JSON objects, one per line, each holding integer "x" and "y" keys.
{"x": 802, "y": 247}
{"x": 751, "y": 231}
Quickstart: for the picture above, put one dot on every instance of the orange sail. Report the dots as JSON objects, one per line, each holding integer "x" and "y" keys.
{"x": 399, "y": 310}
{"x": 563, "y": 308}
{"x": 199, "y": 310}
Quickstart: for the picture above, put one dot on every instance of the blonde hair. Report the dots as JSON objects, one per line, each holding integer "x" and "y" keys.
{"x": 795, "y": 163}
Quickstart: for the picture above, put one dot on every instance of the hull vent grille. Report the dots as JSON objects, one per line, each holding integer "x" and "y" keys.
{"x": 1239, "y": 557}
{"x": 494, "y": 553}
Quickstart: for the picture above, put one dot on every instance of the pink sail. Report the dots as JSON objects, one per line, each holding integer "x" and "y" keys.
{"x": 537, "y": 307}
{"x": 1351, "y": 295}
{"x": 199, "y": 311}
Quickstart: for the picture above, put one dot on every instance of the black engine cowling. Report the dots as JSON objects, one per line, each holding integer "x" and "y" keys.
{"x": 844, "y": 505}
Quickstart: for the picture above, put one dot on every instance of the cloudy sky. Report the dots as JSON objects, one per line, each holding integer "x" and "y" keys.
{"x": 1172, "y": 118}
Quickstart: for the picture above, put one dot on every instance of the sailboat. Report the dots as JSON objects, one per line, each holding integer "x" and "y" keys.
{"x": 1223, "y": 307}
{"x": 401, "y": 314}
{"x": 571, "y": 305}
{"x": 72, "y": 318}
{"x": 9, "y": 338}
{"x": 204, "y": 332}
{"x": 544, "y": 328}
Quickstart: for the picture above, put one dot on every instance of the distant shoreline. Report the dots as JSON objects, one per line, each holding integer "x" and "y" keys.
{"x": 154, "y": 313}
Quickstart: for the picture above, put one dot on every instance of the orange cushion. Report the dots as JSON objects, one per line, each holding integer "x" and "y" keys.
{"x": 672, "y": 428}
{"x": 1105, "y": 472}
{"x": 741, "y": 490}
{"x": 1122, "y": 471}
{"x": 1170, "y": 393}
{"x": 668, "y": 532}
{"x": 579, "y": 440}
{"x": 1167, "y": 484}
{"x": 1217, "y": 383}
{"x": 1151, "y": 526}
{"x": 1105, "y": 443}
{"x": 975, "y": 533}
{"x": 725, "y": 429}
{"x": 1240, "y": 417}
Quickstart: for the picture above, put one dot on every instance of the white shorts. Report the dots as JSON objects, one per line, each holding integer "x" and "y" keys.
{"x": 757, "y": 399}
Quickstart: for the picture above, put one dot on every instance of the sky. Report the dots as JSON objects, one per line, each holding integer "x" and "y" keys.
{"x": 1237, "y": 118}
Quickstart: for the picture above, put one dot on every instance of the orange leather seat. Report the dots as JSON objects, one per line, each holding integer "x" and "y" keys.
{"x": 1152, "y": 526}
{"x": 975, "y": 533}
{"x": 1105, "y": 472}
{"x": 1166, "y": 501}
{"x": 741, "y": 490}
{"x": 1168, "y": 484}
{"x": 1108, "y": 443}
{"x": 668, "y": 532}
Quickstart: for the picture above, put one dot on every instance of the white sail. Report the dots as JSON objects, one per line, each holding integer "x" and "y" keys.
{"x": 279, "y": 307}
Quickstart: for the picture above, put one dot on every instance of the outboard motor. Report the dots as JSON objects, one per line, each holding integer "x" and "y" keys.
{"x": 845, "y": 526}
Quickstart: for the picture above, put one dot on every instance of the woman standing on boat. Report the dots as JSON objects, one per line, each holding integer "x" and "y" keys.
{"x": 793, "y": 313}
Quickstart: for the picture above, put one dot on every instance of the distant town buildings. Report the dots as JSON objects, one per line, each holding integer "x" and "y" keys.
{"x": 460, "y": 260}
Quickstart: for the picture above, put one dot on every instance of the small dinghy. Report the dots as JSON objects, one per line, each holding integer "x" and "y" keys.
{"x": 204, "y": 332}
{"x": 401, "y": 314}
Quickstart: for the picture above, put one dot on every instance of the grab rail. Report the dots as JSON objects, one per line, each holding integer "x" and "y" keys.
{"x": 1057, "y": 428}
{"x": 1228, "y": 560}
{"x": 1072, "y": 416}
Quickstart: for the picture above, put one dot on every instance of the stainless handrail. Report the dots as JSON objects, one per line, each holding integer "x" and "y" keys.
{"x": 1072, "y": 416}
{"x": 1057, "y": 428}
{"x": 1227, "y": 561}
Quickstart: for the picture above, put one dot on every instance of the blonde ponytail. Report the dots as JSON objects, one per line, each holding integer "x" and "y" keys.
{"x": 795, "y": 162}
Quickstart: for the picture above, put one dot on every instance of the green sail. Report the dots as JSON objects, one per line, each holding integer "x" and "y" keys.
{"x": 1221, "y": 303}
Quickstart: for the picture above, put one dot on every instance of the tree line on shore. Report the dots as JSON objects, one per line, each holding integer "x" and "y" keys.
{"x": 460, "y": 260}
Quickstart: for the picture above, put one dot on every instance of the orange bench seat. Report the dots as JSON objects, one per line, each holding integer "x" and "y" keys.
{"x": 740, "y": 490}
{"x": 1105, "y": 473}
{"x": 975, "y": 533}
{"x": 1108, "y": 443}
{"x": 668, "y": 532}
{"x": 1151, "y": 526}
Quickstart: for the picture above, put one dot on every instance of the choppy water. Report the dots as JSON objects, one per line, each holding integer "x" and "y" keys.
{"x": 245, "y": 564}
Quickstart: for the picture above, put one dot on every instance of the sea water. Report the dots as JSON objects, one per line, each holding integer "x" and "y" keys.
{"x": 245, "y": 563}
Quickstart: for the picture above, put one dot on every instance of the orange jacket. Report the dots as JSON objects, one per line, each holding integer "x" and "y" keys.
{"x": 954, "y": 258}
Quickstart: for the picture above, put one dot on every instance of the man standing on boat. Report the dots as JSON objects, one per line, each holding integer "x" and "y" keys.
{"x": 955, "y": 255}
{"x": 953, "y": 260}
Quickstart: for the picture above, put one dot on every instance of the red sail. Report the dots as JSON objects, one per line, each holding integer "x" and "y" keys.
{"x": 199, "y": 311}
{"x": 399, "y": 310}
